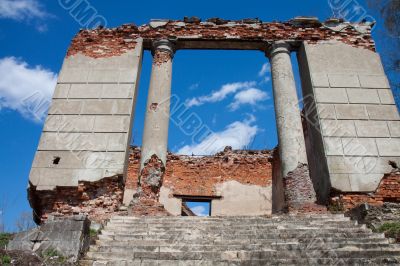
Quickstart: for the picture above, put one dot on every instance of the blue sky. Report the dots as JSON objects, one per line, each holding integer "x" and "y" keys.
{"x": 34, "y": 37}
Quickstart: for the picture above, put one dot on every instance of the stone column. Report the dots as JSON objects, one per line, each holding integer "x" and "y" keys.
{"x": 155, "y": 134}
{"x": 298, "y": 188}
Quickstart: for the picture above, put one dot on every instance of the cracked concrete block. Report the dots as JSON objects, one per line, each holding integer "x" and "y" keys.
{"x": 112, "y": 124}
{"x": 374, "y": 81}
{"x": 326, "y": 111}
{"x": 386, "y": 96}
{"x": 372, "y": 129}
{"x": 340, "y": 182}
{"x": 320, "y": 80}
{"x": 364, "y": 182}
{"x": 333, "y": 146}
{"x": 73, "y": 141}
{"x": 363, "y": 96}
{"x": 331, "y": 95}
{"x": 118, "y": 91}
{"x": 343, "y": 81}
{"x": 379, "y": 165}
{"x": 61, "y": 91}
{"x": 351, "y": 111}
{"x": 359, "y": 146}
{"x": 85, "y": 91}
{"x": 394, "y": 128}
{"x": 65, "y": 107}
{"x": 69, "y": 123}
{"x": 388, "y": 147}
{"x": 338, "y": 128}
{"x": 383, "y": 112}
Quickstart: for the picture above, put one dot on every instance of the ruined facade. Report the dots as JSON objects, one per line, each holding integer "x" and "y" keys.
{"x": 348, "y": 141}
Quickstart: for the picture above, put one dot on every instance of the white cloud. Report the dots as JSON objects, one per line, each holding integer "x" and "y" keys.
{"x": 250, "y": 96}
{"x": 238, "y": 135}
{"x": 219, "y": 95}
{"x": 21, "y": 9}
{"x": 199, "y": 210}
{"x": 264, "y": 70}
{"x": 25, "y": 89}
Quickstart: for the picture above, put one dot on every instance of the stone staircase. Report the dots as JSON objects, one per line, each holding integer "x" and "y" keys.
{"x": 278, "y": 240}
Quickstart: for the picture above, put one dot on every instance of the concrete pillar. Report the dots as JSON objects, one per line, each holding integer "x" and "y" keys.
{"x": 155, "y": 134}
{"x": 298, "y": 189}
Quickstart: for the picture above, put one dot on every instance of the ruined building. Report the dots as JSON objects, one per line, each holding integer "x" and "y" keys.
{"x": 342, "y": 148}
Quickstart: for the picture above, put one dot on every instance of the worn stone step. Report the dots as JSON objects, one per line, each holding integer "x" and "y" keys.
{"x": 118, "y": 247}
{"x": 282, "y": 261}
{"x": 243, "y": 255}
{"x": 308, "y": 241}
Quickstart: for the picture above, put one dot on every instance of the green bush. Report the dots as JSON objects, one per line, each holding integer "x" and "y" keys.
{"x": 391, "y": 230}
{"x": 4, "y": 239}
{"x": 5, "y": 260}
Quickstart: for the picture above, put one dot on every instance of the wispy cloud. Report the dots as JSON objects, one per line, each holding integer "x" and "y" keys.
{"x": 221, "y": 94}
{"x": 238, "y": 135}
{"x": 264, "y": 70}
{"x": 250, "y": 96}
{"x": 21, "y": 9}
{"x": 199, "y": 210}
{"x": 25, "y": 89}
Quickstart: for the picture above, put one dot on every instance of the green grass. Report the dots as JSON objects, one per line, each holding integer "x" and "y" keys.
{"x": 4, "y": 239}
{"x": 5, "y": 260}
{"x": 391, "y": 230}
{"x": 53, "y": 256}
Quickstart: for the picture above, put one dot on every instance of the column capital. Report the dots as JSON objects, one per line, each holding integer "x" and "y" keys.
{"x": 278, "y": 47}
{"x": 163, "y": 45}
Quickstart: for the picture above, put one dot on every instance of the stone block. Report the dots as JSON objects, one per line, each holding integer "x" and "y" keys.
{"x": 363, "y": 96}
{"x": 394, "y": 128}
{"x": 85, "y": 91}
{"x": 379, "y": 165}
{"x": 372, "y": 129}
{"x": 128, "y": 75}
{"x": 338, "y": 128}
{"x": 374, "y": 81}
{"x": 65, "y": 107}
{"x": 389, "y": 147}
{"x": 320, "y": 80}
{"x": 73, "y": 75}
{"x": 345, "y": 165}
{"x": 359, "y": 146}
{"x": 326, "y": 111}
{"x": 55, "y": 177}
{"x": 351, "y": 111}
{"x": 53, "y": 141}
{"x": 103, "y": 75}
{"x": 118, "y": 91}
{"x": 79, "y": 159}
{"x": 343, "y": 81}
{"x": 333, "y": 146}
{"x": 340, "y": 182}
{"x": 115, "y": 106}
{"x": 69, "y": 123}
{"x": 112, "y": 124}
{"x": 386, "y": 96}
{"x": 117, "y": 142}
{"x": 61, "y": 91}
{"x": 364, "y": 182}
{"x": 383, "y": 112}
{"x": 331, "y": 95}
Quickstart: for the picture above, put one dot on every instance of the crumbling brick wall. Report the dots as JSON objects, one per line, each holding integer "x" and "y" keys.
{"x": 387, "y": 191}
{"x": 198, "y": 176}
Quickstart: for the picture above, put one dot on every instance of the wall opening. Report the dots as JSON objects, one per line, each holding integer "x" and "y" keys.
{"x": 197, "y": 207}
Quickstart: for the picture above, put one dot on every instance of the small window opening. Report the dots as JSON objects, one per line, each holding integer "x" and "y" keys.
{"x": 56, "y": 160}
{"x": 196, "y": 208}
